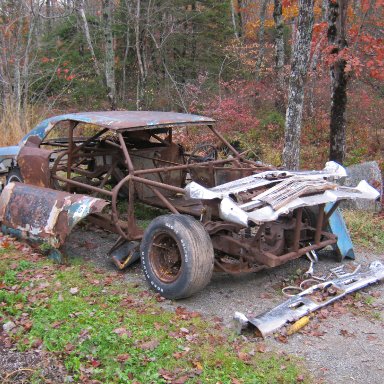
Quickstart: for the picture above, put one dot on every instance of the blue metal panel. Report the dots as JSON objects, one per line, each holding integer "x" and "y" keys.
{"x": 337, "y": 226}
{"x": 7, "y": 152}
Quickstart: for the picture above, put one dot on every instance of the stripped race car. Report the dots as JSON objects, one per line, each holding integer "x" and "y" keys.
{"x": 232, "y": 214}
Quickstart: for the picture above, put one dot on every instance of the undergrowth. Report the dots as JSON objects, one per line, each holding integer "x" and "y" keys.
{"x": 104, "y": 328}
{"x": 366, "y": 229}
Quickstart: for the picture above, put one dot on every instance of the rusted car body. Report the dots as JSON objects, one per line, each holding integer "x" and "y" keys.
{"x": 230, "y": 213}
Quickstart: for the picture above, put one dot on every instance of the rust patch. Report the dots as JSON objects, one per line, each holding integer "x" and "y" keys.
{"x": 44, "y": 214}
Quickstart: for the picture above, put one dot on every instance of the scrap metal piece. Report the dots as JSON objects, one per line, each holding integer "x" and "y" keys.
{"x": 312, "y": 257}
{"x": 289, "y": 191}
{"x": 125, "y": 253}
{"x": 340, "y": 271}
{"x": 337, "y": 226}
{"x": 311, "y": 300}
{"x": 43, "y": 214}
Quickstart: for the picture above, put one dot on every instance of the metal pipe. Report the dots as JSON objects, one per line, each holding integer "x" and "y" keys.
{"x": 182, "y": 166}
{"x": 319, "y": 224}
{"x": 221, "y": 137}
{"x": 296, "y": 236}
{"x": 164, "y": 200}
{"x": 126, "y": 154}
{"x": 77, "y": 183}
{"x": 156, "y": 184}
{"x": 302, "y": 251}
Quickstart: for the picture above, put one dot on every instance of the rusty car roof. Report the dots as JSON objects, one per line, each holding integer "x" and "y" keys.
{"x": 136, "y": 119}
{"x": 120, "y": 120}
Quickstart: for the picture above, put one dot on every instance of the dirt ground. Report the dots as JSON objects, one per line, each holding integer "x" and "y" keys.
{"x": 341, "y": 344}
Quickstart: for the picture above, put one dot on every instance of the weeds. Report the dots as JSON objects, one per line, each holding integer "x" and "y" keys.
{"x": 103, "y": 328}
{"x": 366, "y": 229}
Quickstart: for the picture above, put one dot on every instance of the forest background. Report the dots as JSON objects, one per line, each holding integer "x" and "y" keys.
{"x": 230, "y": 59}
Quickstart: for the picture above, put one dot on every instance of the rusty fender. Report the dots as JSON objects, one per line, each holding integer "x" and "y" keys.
{"x": 307, "y": 301}
{"x": 43, "y": 214}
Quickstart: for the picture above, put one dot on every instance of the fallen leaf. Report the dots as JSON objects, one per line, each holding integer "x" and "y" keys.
{"x": 69, "y": 347}
{"x": 122, "y": 358}
{"x": 346, "y": 333}
{"x": 197, "y": 365}
{"x": 95, "y": 363}
{"x": 74, "y": 291}
{"x": 149, "y": 345}
{"x": 180, "y": 380}
{"x": 167, "y": 375}
{"x": 122, "y": 332}
{"x": 265, "y": 295}
{"x": 261, "y": 347}
{"x": 159, "y": 298}
{"x": 243, "y": 356}
{"x": 282, "y": 338}
{"x": 28, "y": 325}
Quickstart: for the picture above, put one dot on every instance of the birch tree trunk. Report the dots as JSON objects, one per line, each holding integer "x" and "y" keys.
{"x": 279, "y": 54}
{"x": 48, "y": 12}
{"x": 233, "y": 17}
{"x": 109, "y": 54}
{"x": 142, "y": 75}
{"x": 324, "y": 10}
{"x": 79, "y": 6}
{"x": 126, "y": 51}
{"x": 337, "y": 17}
{"x": 299, "y": 67}
{"x": 261, "y": 38}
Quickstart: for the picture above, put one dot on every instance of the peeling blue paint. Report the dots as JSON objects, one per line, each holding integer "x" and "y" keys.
{"x": 78, "y": 210}
{"x": 9, "y": 153}
{"x": 338, "y": 227}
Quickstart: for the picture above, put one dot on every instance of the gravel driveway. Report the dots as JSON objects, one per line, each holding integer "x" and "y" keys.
{"x": 343, "y": 343}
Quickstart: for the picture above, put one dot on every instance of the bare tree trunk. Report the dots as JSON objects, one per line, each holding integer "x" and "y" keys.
{"x": 142, "y": 75}
{"x": 109, "y": 54}
{"x": 126, "y": 49}
{"x": 240, "y": 17}
{"x": 26, "y": 68}
{"x": 79, "y": 5}
{"x": 324, "y": 10}
{"x": 279, "y": 54}
{"x": 337, "y": 39}
{"x": 48, "y": 12}
{"x": 261, "y": 38}
{"x": 233, "y": 17}
{"x": 299, "y": 67}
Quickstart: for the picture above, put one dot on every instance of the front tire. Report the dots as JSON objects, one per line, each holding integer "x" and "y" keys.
{"x": 177, "y": 256}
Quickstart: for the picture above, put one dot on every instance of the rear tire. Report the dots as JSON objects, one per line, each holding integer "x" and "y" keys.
{"x": 14, "y": 175}
{"x": 177, "y": 256}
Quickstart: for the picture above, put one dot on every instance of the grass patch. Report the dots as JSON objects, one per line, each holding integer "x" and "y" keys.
{"x": 103, "y": 328}
{"x": 366, "y": 229}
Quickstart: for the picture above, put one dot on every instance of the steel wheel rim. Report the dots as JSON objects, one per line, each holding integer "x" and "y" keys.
{"x": 165, "y": 258}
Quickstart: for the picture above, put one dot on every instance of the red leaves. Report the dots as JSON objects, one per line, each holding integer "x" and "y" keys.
{"x": 184, "y": 314}
{"x": 149, "y": 345}
{"x": 122, "y": 332}
{"x": 122, "y": 358}
{"x": 95, "y": 363}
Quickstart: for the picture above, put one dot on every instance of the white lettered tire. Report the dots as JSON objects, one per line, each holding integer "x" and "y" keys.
{"x": 177, "y": 256}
